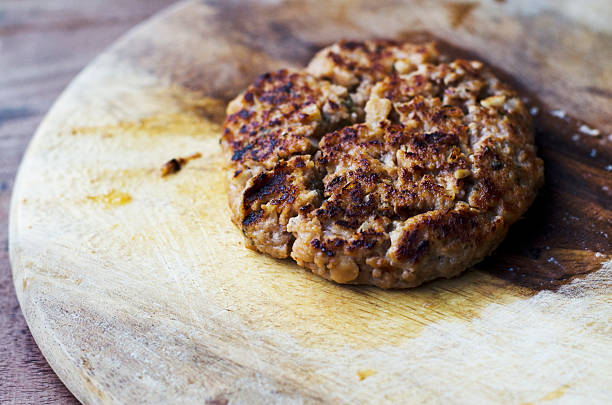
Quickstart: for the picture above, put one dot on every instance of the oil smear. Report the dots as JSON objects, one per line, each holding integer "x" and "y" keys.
{"x": 111, "y": 199}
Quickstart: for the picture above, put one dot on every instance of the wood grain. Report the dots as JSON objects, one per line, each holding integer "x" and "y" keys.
{"x": 43, "y": 45}
{"x": 138, "y": 288}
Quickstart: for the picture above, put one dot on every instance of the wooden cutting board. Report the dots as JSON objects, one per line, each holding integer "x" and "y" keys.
{"x": 138, "y": 289}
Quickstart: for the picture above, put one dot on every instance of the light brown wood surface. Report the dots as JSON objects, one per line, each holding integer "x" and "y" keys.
{"x": 138, "y": 289}
{"x": 43, "y": 45}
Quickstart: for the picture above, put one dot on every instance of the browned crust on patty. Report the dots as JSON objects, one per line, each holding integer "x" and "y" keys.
{"x": 282, "y": 114}
{"x": 380, "y": 164}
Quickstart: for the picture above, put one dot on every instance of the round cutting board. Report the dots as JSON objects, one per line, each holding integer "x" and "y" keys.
{"x": 138, "y": 289}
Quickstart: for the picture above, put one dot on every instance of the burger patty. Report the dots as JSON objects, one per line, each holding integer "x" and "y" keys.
{"x": 380, "y": 163}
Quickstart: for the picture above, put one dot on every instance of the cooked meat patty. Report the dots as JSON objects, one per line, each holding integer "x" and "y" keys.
{"x": 358, "y": 65}
{"x": 380, "y": 163}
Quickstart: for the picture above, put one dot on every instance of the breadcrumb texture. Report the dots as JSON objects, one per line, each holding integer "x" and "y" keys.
{"x": 381, "y": 163}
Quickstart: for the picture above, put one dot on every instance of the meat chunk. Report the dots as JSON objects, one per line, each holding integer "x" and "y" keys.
{"x": 380, "y": 163}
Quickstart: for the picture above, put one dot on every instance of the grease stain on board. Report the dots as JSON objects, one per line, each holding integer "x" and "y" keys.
{"x": 365, "y": 373}
{"x": 556, "y": 394}
{"x": 184, "y": 123}
{"x": 113, "y": 198}
{"x": 460, "y": 11}
{"x": 351, "y": 316}
{"x": 205, "y": 107}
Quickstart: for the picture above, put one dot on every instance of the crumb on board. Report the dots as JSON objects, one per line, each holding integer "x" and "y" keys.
{"x": 176, "y": 164}
{"x": 585, "y": 129}
{"x": 558, "y": 113}
{"x": 363, "y": 374}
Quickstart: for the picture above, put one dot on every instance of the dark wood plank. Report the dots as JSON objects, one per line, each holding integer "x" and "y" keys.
{"x": 43, "y": 45}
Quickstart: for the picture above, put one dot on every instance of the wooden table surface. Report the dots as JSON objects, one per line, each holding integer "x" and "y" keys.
{"x": 43, "y": 45}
